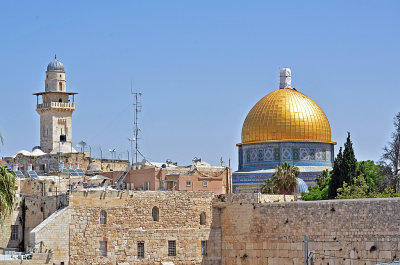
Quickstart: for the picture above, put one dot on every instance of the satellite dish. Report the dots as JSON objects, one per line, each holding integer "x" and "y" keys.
{"x": 81, "y": 145}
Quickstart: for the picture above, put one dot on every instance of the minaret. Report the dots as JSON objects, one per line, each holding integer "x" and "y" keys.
{"x": 55, "y": 110}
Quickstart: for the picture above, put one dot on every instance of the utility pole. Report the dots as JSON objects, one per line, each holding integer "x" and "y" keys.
{"x": 138, "y": 108}
{"x": 306, "y": 250}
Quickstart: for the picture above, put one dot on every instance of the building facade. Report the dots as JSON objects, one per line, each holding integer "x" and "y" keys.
{"x": 200, "y": 176}
{"x": 284, "y": 126}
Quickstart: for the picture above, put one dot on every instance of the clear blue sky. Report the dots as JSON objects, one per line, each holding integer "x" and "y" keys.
{"x": 201, "y": 66}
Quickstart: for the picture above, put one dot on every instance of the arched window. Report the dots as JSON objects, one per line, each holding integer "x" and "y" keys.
{"x": 60, "y": 86}
{"x": 60, "y": 100}
{"x": 155, "y": 213}
{"x": 103, "y": 217}
{"x": 202, "y": 218}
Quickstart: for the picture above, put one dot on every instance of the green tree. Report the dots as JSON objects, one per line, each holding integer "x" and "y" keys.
{"x": 337, "y": 178}
{"x": 320, "y": 179}
{"x": 318, "y": 192}
{"x": 283, "y": 181}
{"x": 349, "y": 163}
{"x": 372, "y": 172}
{"x": 358, "y": 189}
{"x": 391, "y": 157}
{"x": 7, "y": 190}
{"x": 344, "y": 168}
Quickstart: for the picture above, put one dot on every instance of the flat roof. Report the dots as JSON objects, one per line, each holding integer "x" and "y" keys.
{"x": 54, "y": 92}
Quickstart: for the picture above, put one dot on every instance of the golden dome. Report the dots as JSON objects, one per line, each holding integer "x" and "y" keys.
{"x": 286, "y": 115}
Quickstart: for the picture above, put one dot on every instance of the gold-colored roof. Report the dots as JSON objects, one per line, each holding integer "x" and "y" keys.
{"x": 286, "y": 115}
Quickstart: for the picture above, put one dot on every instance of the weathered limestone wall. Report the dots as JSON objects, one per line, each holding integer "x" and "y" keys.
{"x": 53, "y": 233}
{"x": 39, "y": 208}
{"x": 367, "y": 231}
{"x": 29, "y": 212}
{"x": 5, "y": 228}
{"x": 129, "y": 221}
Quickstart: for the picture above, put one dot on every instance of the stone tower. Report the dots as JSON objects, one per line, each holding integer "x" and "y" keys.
{"x": 55, "y": 110}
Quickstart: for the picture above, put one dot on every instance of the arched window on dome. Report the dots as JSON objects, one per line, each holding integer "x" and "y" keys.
{"x": 203, "y": 218}
{"x": 103, "y": 217}
{"x": 60, "y": 86}
{"x": 155, "y": 213}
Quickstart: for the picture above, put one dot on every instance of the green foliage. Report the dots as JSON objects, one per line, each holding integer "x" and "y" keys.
{"x": 344, "y": 168}
{"x": 283, "y": 181}
{"x": 359, "y": 189}
{"x": 318, "y": 192}
{"x": 7, "y": 190}
{"x": 388, "y": 193}
{"x": 336, "y": 179}
{"x": 322, "y": 176}
{"x": 349, "y": 163}
{"x": 268, "y": 187}
{"x": 373, "y": 173}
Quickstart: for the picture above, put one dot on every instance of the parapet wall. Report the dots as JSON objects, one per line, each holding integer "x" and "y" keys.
{"x": 354, "y": 232}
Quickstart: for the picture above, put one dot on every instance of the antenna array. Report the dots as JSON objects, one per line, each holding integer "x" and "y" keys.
{"x": 138, "y": 108}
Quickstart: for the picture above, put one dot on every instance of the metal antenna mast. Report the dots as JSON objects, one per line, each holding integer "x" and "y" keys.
{"x": 138, "y": 108}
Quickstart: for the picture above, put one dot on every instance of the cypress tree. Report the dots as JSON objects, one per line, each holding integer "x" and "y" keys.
{"x": 337, "y": 176}
{"x": 349, "y": 164}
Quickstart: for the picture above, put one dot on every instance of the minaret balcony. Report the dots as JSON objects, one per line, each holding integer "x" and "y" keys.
{"x": 56, "y": 105}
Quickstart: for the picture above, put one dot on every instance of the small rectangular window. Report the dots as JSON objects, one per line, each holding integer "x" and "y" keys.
{"x": 205, "y": 183}
{"x": 140, "y": 249}
{"x": 188, "y": 183}
{"x": 146, "y": 186}
{"x": 103, "y": 249}
{"x": 204, "y": 248}
{"x": 172, "y": 248}
{"x": 14, "y": 232}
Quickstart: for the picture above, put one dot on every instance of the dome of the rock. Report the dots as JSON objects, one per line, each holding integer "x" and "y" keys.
{"x": 286, "y": 115}
{"x": 284, "y": 126}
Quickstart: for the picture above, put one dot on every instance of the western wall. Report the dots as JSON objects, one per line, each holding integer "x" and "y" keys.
{"x": 239, "y": 229}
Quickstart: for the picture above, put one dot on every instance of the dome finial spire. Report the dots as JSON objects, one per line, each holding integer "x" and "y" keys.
{"x": 286, "y": 78}
{"x": 55, "y": 56}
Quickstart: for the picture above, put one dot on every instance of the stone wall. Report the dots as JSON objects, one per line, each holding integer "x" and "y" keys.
{"x": 29, "y": 212}
{"x": 5, "y": 228}
{"x": 53, "y": 234}
{"x": 238, "y": 229}
{"x": 129, "y": 221}
{"x": 341, "y": 232}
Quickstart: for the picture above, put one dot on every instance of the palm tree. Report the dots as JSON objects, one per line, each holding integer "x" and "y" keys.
{"x": 283, "y": 181}
{"x": 7, "y": 188}
{"x": 321, "y": 177}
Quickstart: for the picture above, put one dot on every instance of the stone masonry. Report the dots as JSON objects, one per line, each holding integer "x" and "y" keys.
{"x": 246, "y": 229}
{"x": 129, "y": 221}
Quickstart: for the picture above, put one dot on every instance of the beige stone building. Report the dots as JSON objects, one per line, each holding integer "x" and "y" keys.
{"x": 199, "y": 176}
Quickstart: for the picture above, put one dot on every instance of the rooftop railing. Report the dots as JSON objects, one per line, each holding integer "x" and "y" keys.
{"x": 61, "y": 105}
